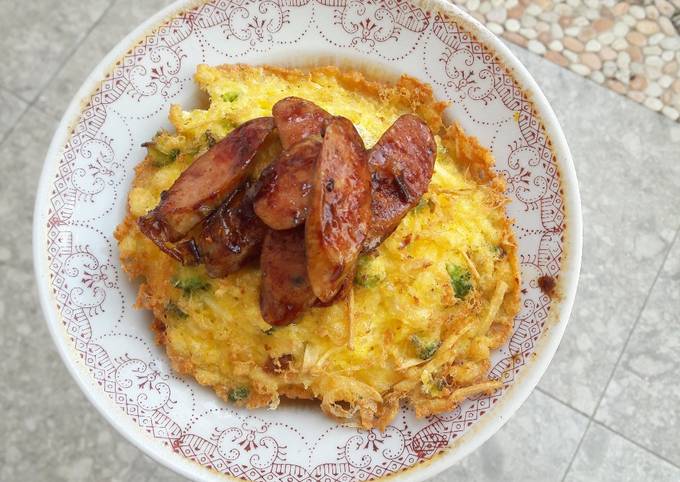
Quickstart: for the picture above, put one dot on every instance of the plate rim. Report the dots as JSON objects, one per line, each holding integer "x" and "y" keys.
{"x": 512, "y": 399}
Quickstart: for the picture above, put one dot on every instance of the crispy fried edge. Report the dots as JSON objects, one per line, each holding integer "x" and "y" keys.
{"x": 467, "y": 151}
{"x": 408, "y": 91}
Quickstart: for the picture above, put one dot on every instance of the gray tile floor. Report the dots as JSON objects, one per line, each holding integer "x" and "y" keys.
{"x": 608, "y": 407}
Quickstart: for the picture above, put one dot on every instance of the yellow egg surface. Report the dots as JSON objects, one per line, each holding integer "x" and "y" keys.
{"x": 426, "y": 307}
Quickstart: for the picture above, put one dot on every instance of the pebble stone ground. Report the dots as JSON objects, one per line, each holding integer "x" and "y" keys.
{"x": 632, "y": 47}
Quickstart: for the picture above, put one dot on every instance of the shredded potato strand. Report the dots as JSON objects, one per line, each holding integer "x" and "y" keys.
{"x": 463, "y": 393}
{"x": 471, "y": 265}
{"x": 350, "y": 319}
{"x": 494, "y": 306}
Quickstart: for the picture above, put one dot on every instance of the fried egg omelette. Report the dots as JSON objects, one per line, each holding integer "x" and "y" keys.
{"x": 425, "y": 309}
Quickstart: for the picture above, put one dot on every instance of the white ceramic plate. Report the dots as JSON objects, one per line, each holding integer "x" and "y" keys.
{"x": 107, "y": 345}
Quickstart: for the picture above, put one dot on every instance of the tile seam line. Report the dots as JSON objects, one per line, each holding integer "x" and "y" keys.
{"x": 60, "y": 68}
{"x": 561, "y": 402}
{"x": 21, "y": 115}
{"x": 9, "y": 91}
{"x": 622, "y": 352}
{"x": 606, "y": 427}
{"x": 637, "y": 444}
{"x": 11, "y": 130}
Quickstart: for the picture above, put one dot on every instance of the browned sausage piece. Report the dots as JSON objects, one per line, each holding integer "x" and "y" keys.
{"x": 340, "y": 209}
{"x": 205, "y": 185}
{"x": 297, "y": 119}
{"x": 231, "y": 236}
{"x": 283, "y": 202}
{"x": 340, "y": 295}
{"x": 285, "y": 290}
{"x": 401, "y": 165}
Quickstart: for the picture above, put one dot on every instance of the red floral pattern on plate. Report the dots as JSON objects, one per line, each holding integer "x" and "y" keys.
{"x": 88, "y": 199}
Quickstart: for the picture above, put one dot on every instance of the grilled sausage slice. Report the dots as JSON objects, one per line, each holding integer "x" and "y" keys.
{"x": 206, "y": 184}
{"x": 283, "y": 202}
{"x": 232, "y": 235}
{"x": 340, "y": 209}
{"x": 297, "y": 119}
{"x": 401, "y": 165}
{"x": 342, "y": 293}
{"x": 285, "y": 290}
